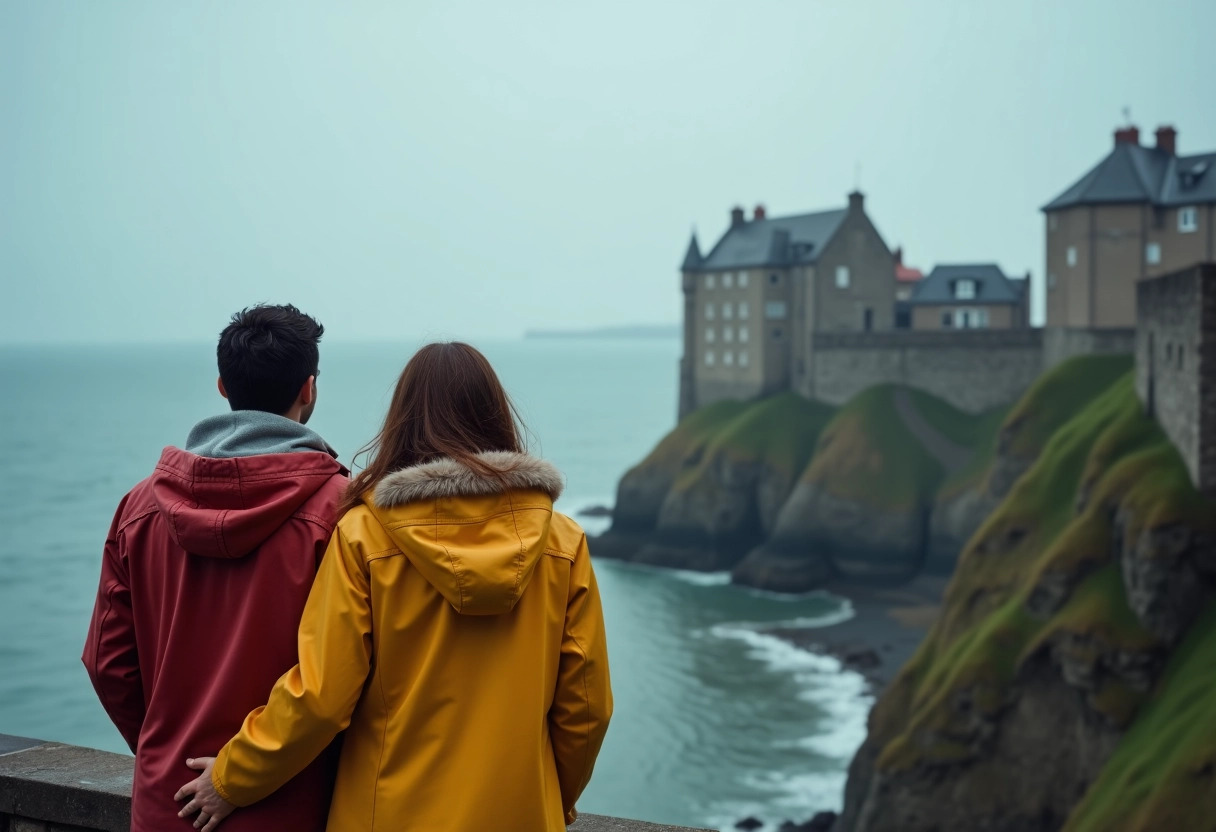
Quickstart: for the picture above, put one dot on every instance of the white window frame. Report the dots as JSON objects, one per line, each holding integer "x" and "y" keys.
{"x": 710, "y": 281}
{"x": 842, "y": 277}
{"x": 1071, "y": 256}
{"x": 1152, "y": 253}
{"x": 1188, "y": 219}
{"x": 728, "y": 311}
{"x": 964, "y": 289}
{"x": 742, "y": 280}
{"x": 709, "y": 311}
{"x": 775, "y": 310}
{"x": 743, "y": 310}
{"x": 709, "y": 358}
{"x": 744, "y": 335}
{"x": 728, "y": 280}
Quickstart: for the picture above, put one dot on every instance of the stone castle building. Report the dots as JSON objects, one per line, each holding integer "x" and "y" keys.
{"x": 1140, "y": 212}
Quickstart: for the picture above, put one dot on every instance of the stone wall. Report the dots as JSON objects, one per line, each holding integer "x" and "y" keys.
{"x": 1176, "y": 364}
{"x": 51, "y": 787}
{"x": 974, "y": 370}
{"x": 1062, "y": 343}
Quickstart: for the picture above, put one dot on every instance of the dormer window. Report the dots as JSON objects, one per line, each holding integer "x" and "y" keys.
{"x": 964, "y": 289}
{"x": 1188, "y": 219}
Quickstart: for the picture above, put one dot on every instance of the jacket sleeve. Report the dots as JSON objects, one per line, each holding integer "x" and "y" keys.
{"x": 582, "y": 703}
{"x": 110, "y": 655}
{"x": 311, "y": 703}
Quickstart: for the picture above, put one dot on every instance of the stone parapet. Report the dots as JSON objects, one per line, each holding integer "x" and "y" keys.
{"x": 52, "y": 787}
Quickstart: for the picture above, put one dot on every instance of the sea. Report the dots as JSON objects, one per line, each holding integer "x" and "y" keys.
{"x": 715, "y": 720}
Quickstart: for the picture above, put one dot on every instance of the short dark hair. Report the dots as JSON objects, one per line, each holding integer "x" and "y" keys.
{"x": 266, "y": 353}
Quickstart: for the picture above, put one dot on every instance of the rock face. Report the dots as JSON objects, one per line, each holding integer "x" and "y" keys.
{"x": 1056, "y": 635}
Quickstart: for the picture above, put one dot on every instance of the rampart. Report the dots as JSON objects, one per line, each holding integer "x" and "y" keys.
{"x": 50, "y": 787}
{"x": 972, "y": 369}
{"x": 1062, "y": 343}
{"x": 1176, "y": 364}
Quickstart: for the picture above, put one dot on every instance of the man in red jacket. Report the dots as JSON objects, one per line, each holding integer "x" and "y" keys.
{"x": 206, "y": 569}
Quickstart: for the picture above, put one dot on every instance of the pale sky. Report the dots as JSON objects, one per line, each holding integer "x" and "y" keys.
{"x": 474, "y": 169}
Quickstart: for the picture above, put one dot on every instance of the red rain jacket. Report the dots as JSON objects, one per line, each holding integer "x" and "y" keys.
{"x": 206, "y": 570}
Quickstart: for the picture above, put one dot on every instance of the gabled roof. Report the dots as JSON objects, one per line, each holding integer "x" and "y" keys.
{"x": 907, "y": 274}
{"x": 1134, "y": 173}
{"x": 991, "y": 285}
{"x": 775, "y": 241}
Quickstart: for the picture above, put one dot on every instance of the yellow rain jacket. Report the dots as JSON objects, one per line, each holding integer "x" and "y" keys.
{"x": 455, "y": 633}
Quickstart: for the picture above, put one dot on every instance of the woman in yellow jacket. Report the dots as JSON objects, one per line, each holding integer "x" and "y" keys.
{"x": 454, "y": 632}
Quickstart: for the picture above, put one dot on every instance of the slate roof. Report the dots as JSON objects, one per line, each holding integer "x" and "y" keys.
{"x": 775, "y": 241}
{"x": 1134, "y": 173}
{"x": 991, "y": 285}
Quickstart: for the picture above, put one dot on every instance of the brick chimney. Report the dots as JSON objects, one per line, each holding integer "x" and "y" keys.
{"x": 736, "y": 216}
{"x": 899, "y": 256}
{"x": 856, "y": 201}
{"x": 1167, "y": 139}
{"x": 760, "y": 213}
{"x": 1127, "y": 135}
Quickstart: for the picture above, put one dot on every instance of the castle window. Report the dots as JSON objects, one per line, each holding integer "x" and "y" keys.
{"x": 1051, "y": 280}
{"x": 947, "y": 319}
{"x": 743, "y": 334}
{"x": 728, "y": 358}
{"x": 728, "y": 334}
{"x": 743, "y": 310}
{"x": 1071, "y": 255}
{"x": 1152, "y": 254}
{"x": 709, "y": 335}
{"x": 744, "y": 360}
{"x": 709, "y": 311}
{"x": 842, "y": 277}
{"x": 964, "y": 289}
{"x": 728, "y": 280}
{"x": 774, "y": 310}
{"x": 742, "y": 280}
{"x": 709, "y": 281}
{"x": 774, "y": 279}
{"x": 1188, "y": 219}
{"x": 728, "y": 311}
{"x": 709, "y": 358}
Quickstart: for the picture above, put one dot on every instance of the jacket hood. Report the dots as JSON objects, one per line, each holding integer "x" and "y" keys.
{"x": 226, "y": 508}
{"x": 475, "y": 538}
{"x": 253, "y": 432}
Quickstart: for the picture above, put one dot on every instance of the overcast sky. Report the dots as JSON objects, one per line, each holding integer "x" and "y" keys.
{"x": 474, "y": 169}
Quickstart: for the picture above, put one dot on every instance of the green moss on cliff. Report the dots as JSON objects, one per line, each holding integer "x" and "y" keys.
{"x": 1163, "y": 773}
{"x": 1106, "y": 471}
{"x": 779, "y": 433}
{"x": 868, "y": 454}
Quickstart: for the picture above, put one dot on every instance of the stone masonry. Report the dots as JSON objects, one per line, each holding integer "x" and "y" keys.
{"x": 1176, "y": 364}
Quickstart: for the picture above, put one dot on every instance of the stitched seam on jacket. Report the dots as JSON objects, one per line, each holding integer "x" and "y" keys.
{"x": 519, "y": 560}
{"x": 144, "y": 512}
{"x": 451, "y": 560}
{"x": 557, "y": 553}
{"x": 587, "y": 723}
{"x": 465, "y": 521}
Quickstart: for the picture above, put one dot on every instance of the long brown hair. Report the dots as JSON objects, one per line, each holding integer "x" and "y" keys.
{"x": 448, "y": 403}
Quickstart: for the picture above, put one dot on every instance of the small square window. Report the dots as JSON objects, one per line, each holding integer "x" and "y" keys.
{"x": 775, "y": 310}
{"x": 964, "y": 289}
{"x": 774, "y": 279}
{"x": 728, "y": 358}
{"x": 1152, "y": 254}
{"x": 1071, "y": 255}
{"x": 709, "y": 311}
{"x": 743, "y": 310}
{"x": 842, "y": 277}
{"x": 742, "y": 280}
{"x": 709, "y": 281}
{"x": 743, "y": 334}
{"x": 709, "y": 358}
{"x": 710, "y": 335}
{"x": 728, "y": 280}
{"x": 1188, "y": 219}
{"x": 728, "y": 311}
{"x": 947, "y": 319}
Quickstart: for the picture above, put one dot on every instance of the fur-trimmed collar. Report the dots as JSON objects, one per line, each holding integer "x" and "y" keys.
{"x": 449, "y": 478}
